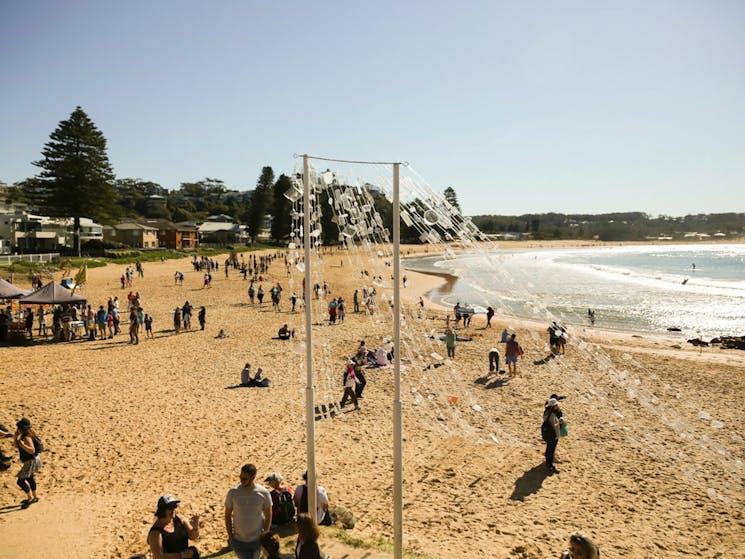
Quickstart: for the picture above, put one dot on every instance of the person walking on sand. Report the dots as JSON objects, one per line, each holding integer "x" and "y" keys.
{"x": 512, "y": 353}
{"x": 148, "y": 326}
{"x": 177, "y": 319}
{"x": 489, "y": 316}
{"x": 551, "y": 431}
{"x": 248, "y": 514}
{"x": 350, "y": 383}
{"x": 450, "y": 341}
{"x": 29, "y": 446}
{"x": 202, "y": 316}
{"x": 134, "y": 327}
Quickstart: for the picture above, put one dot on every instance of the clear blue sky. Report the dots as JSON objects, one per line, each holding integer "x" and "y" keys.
{"x": 572, "y": 106}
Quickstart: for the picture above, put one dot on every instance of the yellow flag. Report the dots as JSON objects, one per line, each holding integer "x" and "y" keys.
{"x": 81, "y": 277}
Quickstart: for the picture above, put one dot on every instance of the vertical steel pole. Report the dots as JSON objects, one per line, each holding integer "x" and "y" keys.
{"x": 310, "y": 414}
{"x": 398, "y": 511}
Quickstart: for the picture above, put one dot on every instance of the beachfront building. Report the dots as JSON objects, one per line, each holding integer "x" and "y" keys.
{"x": 129, "y": 233}
{"x": 175, "y": 235}
{"x": 220, "y": 230}
{"x": 27, "y": 232}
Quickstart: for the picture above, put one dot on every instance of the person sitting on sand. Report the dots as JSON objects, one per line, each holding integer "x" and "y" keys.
{"x": 245, "y": 374}
{"x": 280, "y": 494}
{"x": 257, "y": 381}
{"x": 285, "y": 333}
{"x": 170, "y": 534}
{"x": 581, "y": 547}
{"x": 307, "y": 538}
{"x": 270, "y": 542}
{"x": 300, "y": 498}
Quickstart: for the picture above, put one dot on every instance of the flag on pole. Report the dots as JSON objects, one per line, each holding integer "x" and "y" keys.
{"x": 81, "y": 277}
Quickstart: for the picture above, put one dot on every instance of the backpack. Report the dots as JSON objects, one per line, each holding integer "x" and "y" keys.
{"x": 285, "y": 508}
{"x": 547, "y": 430}
{"x": 38, "y": 445}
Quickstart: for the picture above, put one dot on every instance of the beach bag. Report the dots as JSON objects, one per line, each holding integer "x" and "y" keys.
{"x": 547, "y": 431}
{"x": 285, "y": 508}
{"x": 38, "y": 445}
{"x": 563, "y": 429}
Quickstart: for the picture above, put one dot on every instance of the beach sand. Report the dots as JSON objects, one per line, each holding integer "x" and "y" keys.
{"x": 652, "y": 466}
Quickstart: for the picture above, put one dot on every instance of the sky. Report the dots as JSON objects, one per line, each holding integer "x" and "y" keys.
{"x": 521, "y": 107}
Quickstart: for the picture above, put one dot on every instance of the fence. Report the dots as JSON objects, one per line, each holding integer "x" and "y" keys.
{"x": 7, "y": 259}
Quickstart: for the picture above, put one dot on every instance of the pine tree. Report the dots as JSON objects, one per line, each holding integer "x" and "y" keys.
{"x": 76, "y": 178}
{"x": 259, "y": 202}
{"x": 282, "y": 222}
{"x": 451, "y": 197}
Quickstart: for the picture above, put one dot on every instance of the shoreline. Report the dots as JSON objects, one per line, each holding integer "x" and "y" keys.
{"x": 449, "y": 280}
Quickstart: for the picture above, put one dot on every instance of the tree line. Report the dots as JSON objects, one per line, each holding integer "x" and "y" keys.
{"x": 77, "y": 180}
{"x": 621, "y": 226}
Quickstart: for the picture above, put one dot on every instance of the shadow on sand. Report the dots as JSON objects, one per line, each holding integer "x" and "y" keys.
{"x": 490, "y": 381}
{"x": 545, "y": 360}
{"x": 529, "y": 483}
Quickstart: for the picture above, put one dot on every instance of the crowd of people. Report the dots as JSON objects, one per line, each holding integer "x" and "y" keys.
{"x": 251, "y": 510}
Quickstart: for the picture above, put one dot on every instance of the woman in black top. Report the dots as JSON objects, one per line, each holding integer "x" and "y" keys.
{"x": 169, "y": 536}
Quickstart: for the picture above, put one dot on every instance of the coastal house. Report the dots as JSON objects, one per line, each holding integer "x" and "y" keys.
{"x": 135, "y": 235}
{"x": 27, "y": 232}
{"x": 174, "y": 235}
{"x": 220, "y": 230}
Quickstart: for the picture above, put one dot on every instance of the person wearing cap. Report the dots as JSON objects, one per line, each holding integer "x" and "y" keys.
{"x": 170, "y": 534}
{"x": 23, "y": 439}
{"x": 552, "y": 418}
{"x": 248, "y": 514}
{"x": 274, "y": 480}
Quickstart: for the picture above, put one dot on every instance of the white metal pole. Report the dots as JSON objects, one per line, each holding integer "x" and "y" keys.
{"x": 310, "y": 414}
{"x": 397, "y": 410}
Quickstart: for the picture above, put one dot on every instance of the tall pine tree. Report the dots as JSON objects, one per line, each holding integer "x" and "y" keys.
{"x": 281, "y": 207}
{"x": 451, "y": 197}
{"x": 259, "y": 202}
{"x": 76, "y": 178}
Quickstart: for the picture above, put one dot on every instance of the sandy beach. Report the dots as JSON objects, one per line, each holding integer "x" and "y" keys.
{"x": 652, "y": 466}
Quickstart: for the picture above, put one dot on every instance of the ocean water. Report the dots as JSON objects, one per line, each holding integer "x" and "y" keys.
{"x": 648, "y": 289}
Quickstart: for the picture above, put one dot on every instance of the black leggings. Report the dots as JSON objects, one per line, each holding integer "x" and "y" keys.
{"x": 550, "y": 451}
{"x": 27, "y": 485}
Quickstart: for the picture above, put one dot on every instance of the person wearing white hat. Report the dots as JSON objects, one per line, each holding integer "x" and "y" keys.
{"x": 550, "y": 431}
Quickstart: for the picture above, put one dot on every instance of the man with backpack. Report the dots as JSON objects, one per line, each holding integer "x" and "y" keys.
{"x": 323, "y": 517}
{"x": 283, "y": 509}
{"x": 550, "y": 432}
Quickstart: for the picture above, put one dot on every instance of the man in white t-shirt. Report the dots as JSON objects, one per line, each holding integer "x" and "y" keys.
{"x": 248, "y": 514}
{"x": 322, "y": 502}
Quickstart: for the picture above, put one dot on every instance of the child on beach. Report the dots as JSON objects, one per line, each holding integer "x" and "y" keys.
{"x": 148, "y": 326}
